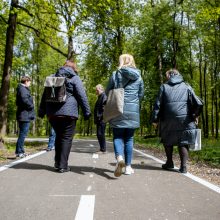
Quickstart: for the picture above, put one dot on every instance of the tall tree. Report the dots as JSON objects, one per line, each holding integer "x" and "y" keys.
{"x": 4, "y": 91}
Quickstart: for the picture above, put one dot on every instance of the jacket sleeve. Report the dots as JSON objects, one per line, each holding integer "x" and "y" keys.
{"x": 195, "y": 103}
{"x": 141, "y": 90}
{"x": 157, "y": 106}
{"x": 81, "y": 97}
{"x": 42, "y": 107}
{"x": 26, "y": 99}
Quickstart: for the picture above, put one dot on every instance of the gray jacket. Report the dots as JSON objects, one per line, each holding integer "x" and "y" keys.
{"x": 134, "y": 91}
{"x": 172, "y": 111}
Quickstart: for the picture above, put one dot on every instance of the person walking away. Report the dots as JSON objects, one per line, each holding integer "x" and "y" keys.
{"x": 63, "y": 116}
{"x": 24, "y": 114}
{"x": 51, "y": 141}
{"x": 176, "y": 122}
{"x": 129, "y": 77}
{"x": 98, "y": 117}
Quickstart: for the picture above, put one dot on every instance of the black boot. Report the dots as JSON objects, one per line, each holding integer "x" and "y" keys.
{"x": 184, "y": 154}
{"x": 169, "y": 153}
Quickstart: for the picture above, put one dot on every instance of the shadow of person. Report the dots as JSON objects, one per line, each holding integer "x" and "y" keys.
{"x": 143, "y": 167}
{"x": 82, "y": 170}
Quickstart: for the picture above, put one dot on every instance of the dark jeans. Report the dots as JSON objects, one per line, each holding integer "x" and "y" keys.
{"x": 23, "y": 131}
{"x": 100, "y": 132}
{"x": 64, "y": 128}
{"x": 52, "y": 137}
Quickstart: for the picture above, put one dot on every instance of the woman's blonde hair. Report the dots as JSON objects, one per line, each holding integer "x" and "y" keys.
{"x": 126, "y": 60}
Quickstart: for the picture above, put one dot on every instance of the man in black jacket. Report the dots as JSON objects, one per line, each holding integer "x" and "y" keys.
{"x": 98, "y": 117}
{"x": 25, "y": 113}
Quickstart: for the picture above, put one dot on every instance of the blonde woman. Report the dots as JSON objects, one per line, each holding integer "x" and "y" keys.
{"x": 128, "y": 77}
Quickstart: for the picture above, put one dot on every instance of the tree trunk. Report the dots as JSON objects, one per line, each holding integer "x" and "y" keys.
{"x": 206, "y": 131}
{"x": 5, "y": 85}
{"x": 200, "y": 83}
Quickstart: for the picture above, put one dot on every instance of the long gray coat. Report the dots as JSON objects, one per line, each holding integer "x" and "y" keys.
{"x": 134, "y": 91}
{"x": 172, "y": 111}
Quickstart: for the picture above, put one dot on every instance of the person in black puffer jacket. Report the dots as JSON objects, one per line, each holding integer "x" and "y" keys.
{"x": 177, "y": 124}
{"x": 63, "y": 116}
{"x": 25, "y": 113}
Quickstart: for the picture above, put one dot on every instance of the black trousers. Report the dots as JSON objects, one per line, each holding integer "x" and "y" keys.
{"x": 100, "y": 132}
{"x": 64, "y": 128}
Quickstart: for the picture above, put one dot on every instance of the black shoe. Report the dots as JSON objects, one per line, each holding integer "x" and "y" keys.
{"x": 56, "y": 166}
{"x": 63, "y": 170}
{"x": 183, "y": 169}
{"x": 167, "y": 166}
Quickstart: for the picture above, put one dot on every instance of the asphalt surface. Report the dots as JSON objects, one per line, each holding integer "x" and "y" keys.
{"x": 33, "y": 190}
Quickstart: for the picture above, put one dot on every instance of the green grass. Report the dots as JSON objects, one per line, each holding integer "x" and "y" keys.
{"x": 209, "y": 154}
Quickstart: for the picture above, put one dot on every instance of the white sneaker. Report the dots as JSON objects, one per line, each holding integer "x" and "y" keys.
{"x": 128, "y": 170}
{"x": 119, "y": 166}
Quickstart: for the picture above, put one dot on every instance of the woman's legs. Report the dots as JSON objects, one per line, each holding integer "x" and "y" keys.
{"x": 118, "y": 141}
{"x": 123, "y": 146}
{"x": 184, "y": 154}
{"x": 169, "y": 155}
{"x": 128, "y": 145}
{"x": 64, "y": 128}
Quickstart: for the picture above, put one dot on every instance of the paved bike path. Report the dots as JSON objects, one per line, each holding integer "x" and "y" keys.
{"x": 33, "y": 190}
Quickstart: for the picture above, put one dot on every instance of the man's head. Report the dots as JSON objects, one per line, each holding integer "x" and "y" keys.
{"x": 172, "y": 72}
{"x": 99, "y": 89}
{"x": 26, "y": 80}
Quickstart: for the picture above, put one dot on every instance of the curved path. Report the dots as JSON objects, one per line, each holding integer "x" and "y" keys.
{"x": 30, "y": 189}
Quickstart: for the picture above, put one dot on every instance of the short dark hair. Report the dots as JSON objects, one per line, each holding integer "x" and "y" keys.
{"x": 25, "y": 79}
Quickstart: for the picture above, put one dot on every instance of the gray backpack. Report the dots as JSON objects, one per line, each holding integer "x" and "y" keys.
{"x": 55, "y": 89}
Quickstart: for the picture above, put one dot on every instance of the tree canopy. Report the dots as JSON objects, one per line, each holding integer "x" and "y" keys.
{"x": 36, "y": 37}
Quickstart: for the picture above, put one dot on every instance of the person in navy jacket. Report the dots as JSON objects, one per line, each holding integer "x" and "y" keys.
{"x": 25, "y": 113}
{"x": 63, "y": 116}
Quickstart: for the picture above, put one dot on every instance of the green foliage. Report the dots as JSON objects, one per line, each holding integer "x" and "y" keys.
{"x": 160, "y": 35}
{"x": 209, "y": 154}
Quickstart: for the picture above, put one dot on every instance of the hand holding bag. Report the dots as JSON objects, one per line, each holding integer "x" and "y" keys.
{"x": 115, "y": 102}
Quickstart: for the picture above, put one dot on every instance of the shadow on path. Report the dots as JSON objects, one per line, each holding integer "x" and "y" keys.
{"x": 147, "y": 167}
{"x": 76, "y": 169}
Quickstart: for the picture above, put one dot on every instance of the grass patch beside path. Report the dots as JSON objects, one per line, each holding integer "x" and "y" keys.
{"x": 8, "y": 154}
{"x": 210, "y": 153}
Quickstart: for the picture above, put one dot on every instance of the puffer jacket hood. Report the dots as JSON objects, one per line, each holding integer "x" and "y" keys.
{"x": 172, "y": 111}
{"x": 65, "y": 71}
{"x": 175, "y": 79}
{"x": 130, "y": 73}
{"x": 130, "y": 79}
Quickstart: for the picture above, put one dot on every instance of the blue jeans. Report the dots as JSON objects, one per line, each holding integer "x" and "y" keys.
{"x": 123, "y": 139}
{"x": 52, "y": 137}
{"x": 23, "y": 131}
